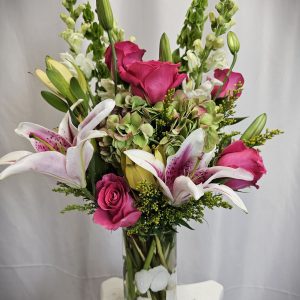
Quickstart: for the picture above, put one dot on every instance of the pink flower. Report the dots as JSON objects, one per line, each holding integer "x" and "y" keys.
{"x": 115, "y": 203}
{"x": 230, "y": 85}
{"x": 238, "y": 155}
{"x": 127, "y": 53}
{"x": 151, "y": 80}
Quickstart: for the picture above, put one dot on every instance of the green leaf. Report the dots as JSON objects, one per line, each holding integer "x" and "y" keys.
{"x": 185, "y": 224}
{"x": 60, "y": 83}
{"x": 78, "y": 92}
{"x": 55, "y": 101}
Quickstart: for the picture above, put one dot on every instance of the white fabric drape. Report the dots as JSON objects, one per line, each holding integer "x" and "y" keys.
{"x": 46, "y": 255}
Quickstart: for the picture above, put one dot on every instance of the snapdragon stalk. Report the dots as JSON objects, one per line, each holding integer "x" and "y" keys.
{"x": 114, "y": 60}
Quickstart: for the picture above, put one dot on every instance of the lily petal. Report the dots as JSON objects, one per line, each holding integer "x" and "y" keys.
{"x": 12, "y": 157}
{"x": 148, "y": 162}
{"x": 227, "y": 172}
{"x": 227, "y": 192}
{"x": 51, "y": 163}
{"x": 184, "y": 188}
{"x": 41, "y": 138}
{"x": 95, "y": 117}
{"x": 183, "y": 162}
{"x": 77, "y": 161}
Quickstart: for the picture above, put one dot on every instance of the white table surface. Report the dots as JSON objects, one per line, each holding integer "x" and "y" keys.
{"x": 112, "y": 289}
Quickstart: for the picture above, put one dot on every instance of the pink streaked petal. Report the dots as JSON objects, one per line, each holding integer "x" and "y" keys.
{"x": 184, "y": 188}
{"x": 12, "y": 157}
{"x": 50, "y": 137}
{"x": 227, "y": 172}
{"x": 95, "y": 117}
{"x": 183, "y": 162}
{"x": 228, "y": 193}
{"x": 49, "y": 163}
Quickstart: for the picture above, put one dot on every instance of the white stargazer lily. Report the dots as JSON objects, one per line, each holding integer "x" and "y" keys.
{"x": 187, "y": 174}
{"x": 64, "y": 155}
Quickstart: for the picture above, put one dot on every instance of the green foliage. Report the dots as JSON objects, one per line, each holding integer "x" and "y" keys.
{"x": 55, "y": 101}
{"x": 159, "y": 215}
{"x": 89, "y": 205}
{"x": 261, "y": 139}
{"x": 193, "y": 24}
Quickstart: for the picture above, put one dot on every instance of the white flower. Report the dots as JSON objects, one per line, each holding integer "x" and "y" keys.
{"x": 84, "y": 62}
{"x": 156, "y": 279}
{"x": 192, "y": 59}
{"x": 204, "y": 90}
{"x": 198, "y": 46}
{"x": 132, "y": 38}
{"x": 217, "y": 60}
{"x": 75, "y": 40}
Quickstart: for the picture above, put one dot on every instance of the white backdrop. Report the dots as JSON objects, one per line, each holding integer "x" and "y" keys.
{"x": 46, "y": 255}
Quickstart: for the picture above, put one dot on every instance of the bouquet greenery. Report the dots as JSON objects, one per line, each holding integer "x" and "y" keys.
{"x": 145, "y": 144}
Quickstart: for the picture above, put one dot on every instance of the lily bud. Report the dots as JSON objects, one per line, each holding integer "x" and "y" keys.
{"x": 165, "y": 53}
{"x": 255, "y": 128}
{"x": 105, "y": 14}
{"x": 233, "y": 42}
{"x": 135, "y": 174}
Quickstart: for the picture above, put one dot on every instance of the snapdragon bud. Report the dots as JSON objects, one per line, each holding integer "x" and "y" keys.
{"x": 219, "y": 7}
{"x": 132, "y": 38}
{"x": 165, "y": 53}
{"x": 105, "y": 14}
{"x": 233, "y": 42}
{"x": 79, "y": 10}
{"x": 198, "y": 46}
{"x": 210, "y": 38}
{"x": 230, "y": 4}
{"x": 232, "y": 11}
{"x": 85, "y": 27}
{"x": 221, "y": 20}
{"x": 218, "y": 43}
{"x": 212, "y": 17}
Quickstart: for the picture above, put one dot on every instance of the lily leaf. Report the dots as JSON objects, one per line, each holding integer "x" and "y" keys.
{"x": 55, "y": 101}
{"x": 60, "y": 83}
{"x": 78, "y": 92}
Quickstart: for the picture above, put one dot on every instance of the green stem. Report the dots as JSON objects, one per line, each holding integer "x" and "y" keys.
{"x": 114, "y": 57}
{"x": 226, "y": 77}
{"x": 150, "y": 255}
{"x": 160, "y": 252}
{"x": 88, "y": 194}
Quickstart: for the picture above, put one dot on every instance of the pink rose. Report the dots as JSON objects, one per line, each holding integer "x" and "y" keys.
{"x": 116, "y": 207}
{"x": 127, "y": 53}
{"x": 151, "y": 80}
{"x": 230, "y": 85}
{"x": 238, "y": 155}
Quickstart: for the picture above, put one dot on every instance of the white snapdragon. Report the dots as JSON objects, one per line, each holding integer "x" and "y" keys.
{"x": 75, "y": 40}
{"x": 198, "y": 46}
{"x": 217, "y": 60}
{"x": 192, "y": 59}
{"x": 84, "y": 62}
{"x": 204, "y": 90}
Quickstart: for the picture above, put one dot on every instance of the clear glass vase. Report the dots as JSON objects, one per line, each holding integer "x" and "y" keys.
{"x": 149, "y": 270}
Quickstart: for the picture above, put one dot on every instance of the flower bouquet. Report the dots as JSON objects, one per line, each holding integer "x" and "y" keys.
{"x": 145, "y": 144}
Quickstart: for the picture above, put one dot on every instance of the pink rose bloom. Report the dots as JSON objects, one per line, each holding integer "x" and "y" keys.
{"x": 151, "y": 80}
{"x": 238, "y": 155}
{"x": 127, "y": 53}
{"x": 231, "y": 83}
{"x": 116, "y": 207}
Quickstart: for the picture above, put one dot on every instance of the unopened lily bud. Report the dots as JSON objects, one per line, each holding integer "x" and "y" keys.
{"x": 210, "y": 38}
{"x": 105, "y": 14}
{"x": 198, "y": 46}
{"x": 255, "y": 128}
{"x": 165, "y": 53}
{"x": 218, "y": 43}
{"x": 176, "y": 56}
{"x": 233, "y": 42}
